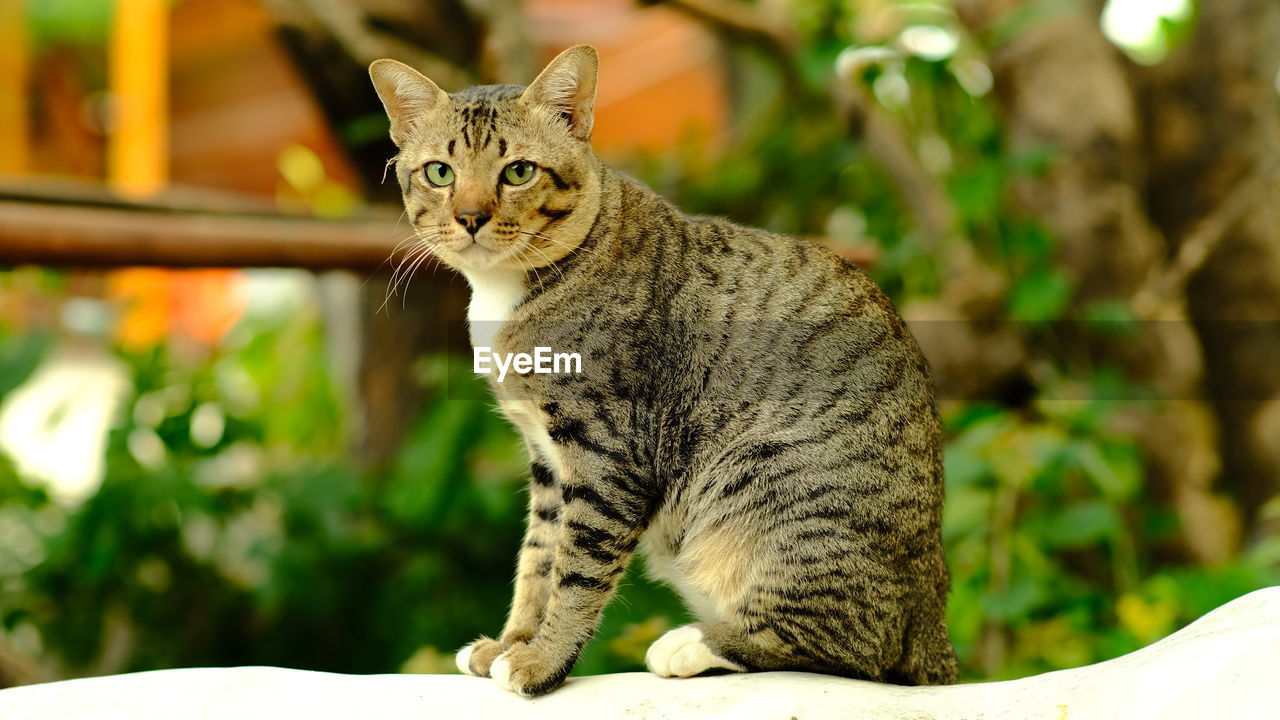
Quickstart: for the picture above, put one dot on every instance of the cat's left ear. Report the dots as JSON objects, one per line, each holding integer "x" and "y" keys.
{"x": 568, "y": 85}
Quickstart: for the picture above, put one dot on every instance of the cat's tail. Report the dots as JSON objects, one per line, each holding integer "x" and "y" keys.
{"x": 929, "y": 658}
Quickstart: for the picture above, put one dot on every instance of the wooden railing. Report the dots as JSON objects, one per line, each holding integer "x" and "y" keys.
{"x": 75, "y": 224}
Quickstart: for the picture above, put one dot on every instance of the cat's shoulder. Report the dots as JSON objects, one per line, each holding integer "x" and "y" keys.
{"x": 720, "y": 231}
{"x": 720, "y": 235}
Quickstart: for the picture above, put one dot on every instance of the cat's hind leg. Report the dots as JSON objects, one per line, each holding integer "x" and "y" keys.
{"x": 727, "y": 645}
{"x": 684, "y": 652}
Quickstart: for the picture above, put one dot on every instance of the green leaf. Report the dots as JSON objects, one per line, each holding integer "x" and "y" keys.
{"x": 1115, "y": 470}
{"x": 425, "y": 480}
{"x": 19, "y": 357}
{"x": 977, "y": 192}
{"x": 1017, "y": 601}
{"x": 1111, "y": 317}
{"x": 966, "y": 513}
{"x": 1080, "y": 525}
{"x": 1040, "y": 296}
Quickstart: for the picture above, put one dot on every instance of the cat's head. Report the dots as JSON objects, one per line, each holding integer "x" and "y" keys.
{"x": 497, "y": 176}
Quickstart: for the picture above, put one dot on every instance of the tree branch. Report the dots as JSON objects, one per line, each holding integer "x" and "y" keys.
{"x": 347, "y": 24}
{"x": 1166, "y": 284}
{"x": 886, "y": 142}
{"x": 753, "y": 24}
{"x": 972, "y": 286}
{"x": 739, "y": 18}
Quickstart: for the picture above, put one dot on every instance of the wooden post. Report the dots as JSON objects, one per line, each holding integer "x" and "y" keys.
{"x": 138, "y": 151}
{"x": 13, "y": 87}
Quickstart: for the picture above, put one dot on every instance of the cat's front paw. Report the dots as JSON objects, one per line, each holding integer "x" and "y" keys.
{"x": 529, "y": 671}
{"x": 683, "y": 653}
{"x": 476, "y": 658}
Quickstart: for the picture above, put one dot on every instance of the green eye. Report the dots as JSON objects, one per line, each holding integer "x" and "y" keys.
{"x": 518, "y": 172}
{"x": 439, "y": 174}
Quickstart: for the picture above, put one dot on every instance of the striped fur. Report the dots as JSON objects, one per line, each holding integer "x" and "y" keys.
{"x": 752, "y": 414}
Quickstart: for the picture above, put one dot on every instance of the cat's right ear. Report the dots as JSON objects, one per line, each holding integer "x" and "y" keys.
{"x": 406, "y": 94}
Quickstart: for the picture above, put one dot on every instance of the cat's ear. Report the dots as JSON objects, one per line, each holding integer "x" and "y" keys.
{"x": 568, "y": 85}
{"x": 406, "y": 94}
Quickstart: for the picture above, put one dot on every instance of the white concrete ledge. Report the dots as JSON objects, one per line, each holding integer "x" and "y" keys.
{"x": 1222, "y": 667}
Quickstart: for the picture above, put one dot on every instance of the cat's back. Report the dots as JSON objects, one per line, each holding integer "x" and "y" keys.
{"x": 791, "y": 275}
{"x": 763, "y": 336}
{"x": 767, "y": 299}
{"x": 718, "y": 262}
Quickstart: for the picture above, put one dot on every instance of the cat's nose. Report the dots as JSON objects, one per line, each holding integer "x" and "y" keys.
{"x": 472, "y": 220}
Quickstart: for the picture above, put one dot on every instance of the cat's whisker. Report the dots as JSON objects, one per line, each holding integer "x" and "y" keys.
{"x": 577, "y": 250}
{"x": 413, "y": 235}
{"x": 391, "y": 255}
{"x": 550, "y": 263}
{"x": 397, "y": 276}
{"x": 528, "y": 247}
{"x": 395, "y": 273}
{"x": 521, "y": 256}
{"x": 533, "y": 268}
{"x": 422, "y": 259}
{"x": 407, "y": 240}
{"x": 424, "y": 246}
{"x": 425, "y": 243}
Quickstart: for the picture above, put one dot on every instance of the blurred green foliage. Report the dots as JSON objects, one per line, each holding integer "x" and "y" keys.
{"x": 1055, "y": 551}
{"x": 266, "y": 547}
{"x": 69, "y": 21}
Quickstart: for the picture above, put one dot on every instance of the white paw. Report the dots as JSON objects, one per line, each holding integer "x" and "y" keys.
{"x": 463, "y": 660}
{"x": 500, "y": 671}
{"x": 681, "y": 653}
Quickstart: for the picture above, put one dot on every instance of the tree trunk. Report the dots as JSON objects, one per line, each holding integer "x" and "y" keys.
{"x": 1062, "y": 86}
{"x": 1213, "y": 122}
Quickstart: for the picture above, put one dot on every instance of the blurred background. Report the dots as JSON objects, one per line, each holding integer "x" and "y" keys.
{"x": 228, "y": 436}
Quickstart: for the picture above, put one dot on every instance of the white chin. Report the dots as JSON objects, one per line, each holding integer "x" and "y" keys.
{"x": 475, "y": 257}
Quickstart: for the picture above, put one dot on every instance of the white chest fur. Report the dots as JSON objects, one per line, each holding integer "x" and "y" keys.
{"x": 494, "y": 294}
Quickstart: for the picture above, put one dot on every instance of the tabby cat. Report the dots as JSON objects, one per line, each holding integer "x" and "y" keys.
{"x": 751, "y": 412}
